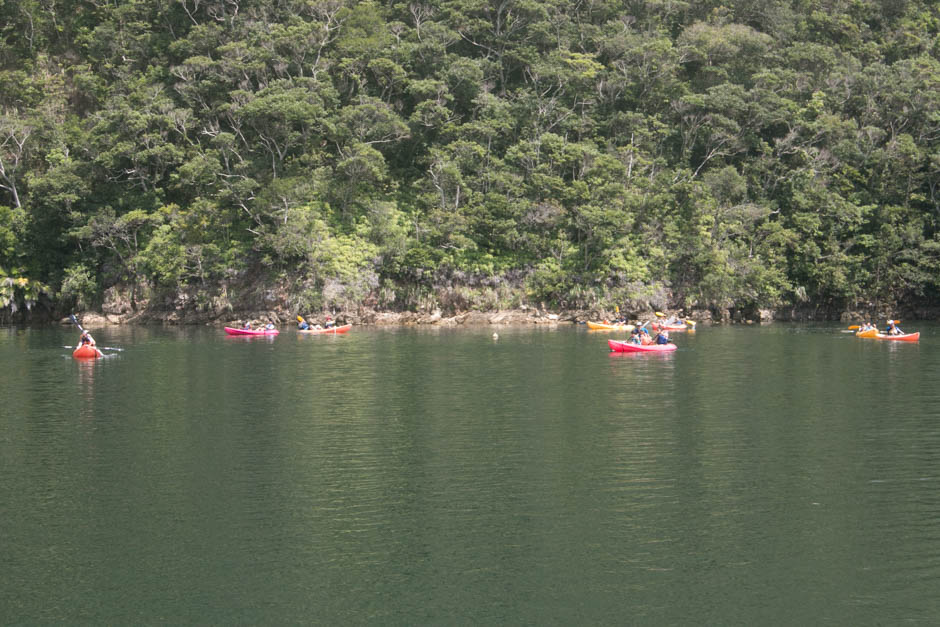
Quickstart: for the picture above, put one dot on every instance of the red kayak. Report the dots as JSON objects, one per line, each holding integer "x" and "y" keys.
{"x": 232, "y": 331}
{"x": 341, "y": 329}
{"x": 86, "y": 352}
{"x": 627, "y": 347}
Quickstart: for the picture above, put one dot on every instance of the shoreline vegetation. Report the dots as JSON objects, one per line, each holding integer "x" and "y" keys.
{"x": 117, "y": 310}
{"x": 188, "y": 161}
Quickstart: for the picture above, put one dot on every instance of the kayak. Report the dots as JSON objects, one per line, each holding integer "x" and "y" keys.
{"x": 627, "y": 347}
{"x": 604, "y": 326}
{"x": 669, "y": 327}
{"x": 868, "y": 333}
{"x": 232, "y": 331}
{"x": 904, "y": 337}
{"x": 86, "y": 352}
{"x": 334, "y": 330}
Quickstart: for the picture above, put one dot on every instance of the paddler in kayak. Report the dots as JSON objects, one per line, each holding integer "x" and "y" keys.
{"x": 85, "y": 339}
{"x": 662, "y": 337}
{"x": 620, "y": 319}
{"x": 893, "y": 329}
{"x": 303, "y": 325}
{"x": 329, "y": 324}
{"x": 635, "y": 337}
{"x": 269, "y": 326}
{"x": 247, "y": 326}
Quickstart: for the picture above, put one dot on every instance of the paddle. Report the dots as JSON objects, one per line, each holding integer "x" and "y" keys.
{"x": 853, "y": 327}
{"x": 75, "y": 320}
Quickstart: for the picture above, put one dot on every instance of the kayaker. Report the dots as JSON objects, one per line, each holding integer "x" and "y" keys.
{"x": 634, "y": 336}
{"x": 247, "y": 326}
{"x": 303, "y": 326}
{"x": 662, "y": 337}
{"x": 329, "y": 323}
{"x": 893, "y": 329}
{"x": 85, "y": 339}
{"x": 645, "y": 336}
{"x": 269, "y": 326}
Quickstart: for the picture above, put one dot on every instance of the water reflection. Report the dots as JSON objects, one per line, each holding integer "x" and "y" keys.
{"x": 251, "y": 338}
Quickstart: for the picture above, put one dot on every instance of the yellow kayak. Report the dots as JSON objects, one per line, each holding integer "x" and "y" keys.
{"x": 868, "y": 333}
{"x": 604, "y": 326}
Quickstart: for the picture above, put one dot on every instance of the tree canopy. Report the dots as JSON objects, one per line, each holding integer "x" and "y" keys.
{"x": 468, "y": 153}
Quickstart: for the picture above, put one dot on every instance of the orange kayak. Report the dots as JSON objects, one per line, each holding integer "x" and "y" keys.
{"x": 86, "y": 352}
{"x": 333, "y": 330}
{"x": 904, "y": 337}
{"x": 671, "y": 327}
{"x": 605, "y": 326}
{"x": 868, "y": 333}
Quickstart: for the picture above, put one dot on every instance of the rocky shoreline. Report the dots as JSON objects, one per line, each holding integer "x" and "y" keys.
{"x": 521, "y": 316}
{"x": 222, "y": 311}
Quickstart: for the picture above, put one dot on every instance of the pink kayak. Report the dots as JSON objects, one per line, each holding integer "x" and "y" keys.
{"x": 627, "y": 347}
{"x": 232, "y": 331}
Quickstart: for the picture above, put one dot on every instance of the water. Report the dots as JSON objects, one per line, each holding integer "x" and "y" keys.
{"x": 759, "y": 475}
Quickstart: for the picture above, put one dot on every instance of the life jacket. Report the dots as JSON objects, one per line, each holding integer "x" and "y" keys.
{"x": 662, "y": 339}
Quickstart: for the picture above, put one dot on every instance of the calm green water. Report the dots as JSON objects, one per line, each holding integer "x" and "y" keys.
{"x": 759, "y": 475}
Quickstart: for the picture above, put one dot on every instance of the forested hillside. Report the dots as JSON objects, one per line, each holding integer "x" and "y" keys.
{"x": 470, "y": 153}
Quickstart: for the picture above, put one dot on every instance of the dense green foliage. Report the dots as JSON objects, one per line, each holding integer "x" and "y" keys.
{"x": 472, "y": 153}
